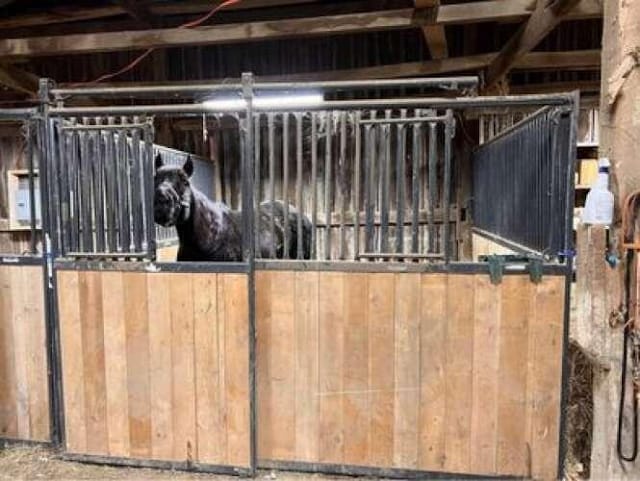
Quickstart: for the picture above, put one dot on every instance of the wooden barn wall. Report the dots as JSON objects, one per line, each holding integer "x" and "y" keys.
{"x": 419, "y": 371}
{"x": 12, "y": 156}
{"x": 156, "y": 366}
{"x": 24, "y": 393}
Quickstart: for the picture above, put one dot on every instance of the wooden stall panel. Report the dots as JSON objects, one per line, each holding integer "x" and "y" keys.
{"x": 435, "y": 372}
{"x": 24, "y": 393}
{"x": 156, "y": 365}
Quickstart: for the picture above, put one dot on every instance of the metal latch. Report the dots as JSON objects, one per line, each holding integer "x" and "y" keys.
{"x": 535, "y": 269}
{"x": 496, "y": 268}
{"x": 499, "y": 263}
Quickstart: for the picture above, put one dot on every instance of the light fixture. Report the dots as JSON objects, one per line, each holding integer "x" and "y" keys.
{"x": 268, "y": 101}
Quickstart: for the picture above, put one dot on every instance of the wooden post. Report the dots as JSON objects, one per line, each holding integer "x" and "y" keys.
{"x": 599, "y": 289}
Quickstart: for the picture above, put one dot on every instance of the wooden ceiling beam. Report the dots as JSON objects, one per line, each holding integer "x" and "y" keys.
{"x": 138, "y": 11}
{"x": 472, "y": 12}
{"x": 18, "y": 79}
{"x": 584, "y": 86}
{"x": 209, "y": 35}
{"x": 546, "y": 16}
{"x": 434, "y": 34}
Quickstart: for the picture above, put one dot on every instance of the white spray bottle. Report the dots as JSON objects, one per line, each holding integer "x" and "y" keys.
{"x": 598, "y": 207}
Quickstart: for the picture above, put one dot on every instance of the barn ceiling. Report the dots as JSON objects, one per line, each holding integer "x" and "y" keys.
{"x": 520, "y": 45}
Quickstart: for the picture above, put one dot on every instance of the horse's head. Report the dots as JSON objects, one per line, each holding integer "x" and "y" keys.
{"x": 172, "y": 194}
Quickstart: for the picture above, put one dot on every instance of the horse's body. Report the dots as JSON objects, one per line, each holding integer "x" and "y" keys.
{"x": 211, "y": 231}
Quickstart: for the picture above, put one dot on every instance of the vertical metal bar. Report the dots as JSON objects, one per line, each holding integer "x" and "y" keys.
{"x": 272, "y": 186}
{"x": 415, "y": 186}
{"x": 314, "y": 185}
{"x": 53, "y": 187}
{"x": 256, "y": 185}
{"x": 448, "y": 128}
{"x": 63, "y": 151}
{"x": 74, "y": 172}
{"x": 98, "y": 186}
{"x": 285, "y": 183}
{"x": 123, "y": 188}
{"x": 85, "y": 173}
{"x": 400, "y": 182}
{"x": 136, "y": 178}
{"x": 110, "y": 166}
{"x": 370, "y": 139}
{"x": 342, "y": 182}
{"x": 385, "y": 178}
{"x": 328, "y": 191}
{"x": 357, "y": 169}
{"x": 433, "y": 136}
{"x": 300, "y": 240}
{"x": 147, "y": 166}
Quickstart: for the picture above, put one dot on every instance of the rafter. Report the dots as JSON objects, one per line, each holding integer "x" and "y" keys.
{"x": 18, "y": 79}
{"x": 138, "y": 11}
{"x": 546, "y": 16}
{"x": 472, "y": 12}
{"x": 434, "y": 34}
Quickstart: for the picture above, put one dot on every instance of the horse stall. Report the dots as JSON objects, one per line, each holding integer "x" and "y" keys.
{"x": 422, "y": 333}
{"x": 24, "y": 337}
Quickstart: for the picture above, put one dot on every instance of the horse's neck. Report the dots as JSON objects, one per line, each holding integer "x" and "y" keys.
{"x": 203, "y": 215}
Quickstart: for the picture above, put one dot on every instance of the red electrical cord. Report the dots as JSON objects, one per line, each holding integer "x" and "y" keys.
{"x": 144, "y": 54}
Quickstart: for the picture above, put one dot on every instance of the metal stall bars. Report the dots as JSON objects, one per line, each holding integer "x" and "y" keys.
{"x": 27, "y": 362}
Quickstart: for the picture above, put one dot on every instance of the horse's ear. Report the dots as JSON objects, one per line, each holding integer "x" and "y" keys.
{"x": 188, "y": 166}
{"x": 158, "y": 161}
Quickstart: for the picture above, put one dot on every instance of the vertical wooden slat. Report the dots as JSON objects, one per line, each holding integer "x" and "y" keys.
{"x": 20, "y": 341}
{"x": 36, "y": 351}
{"x": 209, "y": 422}
{"x": 160, "y": 365}
{"x": 115, "y": 359}
{"x": 356, "y": 371}
{"x": 547, "y": 332}
{"x": 222, "y": 363}
{"x": 266, "y": 413}
{"x": 282, "y": 364}
{"x": 331, "y": 341}
{"x": 484, "y": 416}
{"x": 72, "y": 362}
{"x": 184, "y": 402}
{"x": 407, "y": 370}
{"x": 8, "y": 421}
{"x": 306, "y": 376}
{"x": 433, "y": 335}
{"x": 511, "y": 440}
{"x": 459, "y": 378}
{"x": 137, "y": 328}
{"x": 381, "y": 368}
{"x": 237, "y": 367}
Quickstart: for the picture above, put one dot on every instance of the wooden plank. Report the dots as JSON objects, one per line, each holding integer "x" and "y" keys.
{"x": 90, "y": 287}
{"x": 11, "y": 49}
{"x": 355, "y": 405}
{"x": 18, "y": 291}
{"x": 282, "y": 364}
{"x": 407, "y": 370}
{"x": 307, "y": 368}
{"x": 381, "y": 368}
{"x": 160, "y": 365}
{"x": 434, "y": 34}
{"x": 210, "y": 427}
{"x": 72, "y": 361}
{"x": 8, "y": 382}
{"x": 137, "y": 329}
{"x": 547, "y": 330}
{"x": 433, "y": 335}
{"x": 486, "y": 336}
{"x": 459, "y": 372}
{"x": 544, "y": 18}
{"x": 331, "y": 301}
{"x": 37, "y": 354}
{"x": 183, "y": 368}
{"x": 513, "y": 348}
{"x": 266, "y": 410}
{"x": 115, "y": 358}
{"x": 236, "y": 342}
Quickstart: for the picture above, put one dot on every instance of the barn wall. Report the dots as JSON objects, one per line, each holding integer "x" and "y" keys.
{"x": 156, "y": 366}
{"x": 420, "y": 371}
{"x": 24, "y": 395}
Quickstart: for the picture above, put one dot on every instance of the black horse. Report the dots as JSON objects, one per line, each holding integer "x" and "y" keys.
{"x": 211, "y": 231}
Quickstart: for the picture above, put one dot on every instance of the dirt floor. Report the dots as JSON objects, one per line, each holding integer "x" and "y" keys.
{"x": 29, "y": 463}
